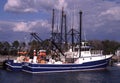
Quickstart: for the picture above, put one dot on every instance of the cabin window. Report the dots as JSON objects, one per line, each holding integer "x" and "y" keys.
{"x": 85, "y": 49}
{"x": 76, "y": 49}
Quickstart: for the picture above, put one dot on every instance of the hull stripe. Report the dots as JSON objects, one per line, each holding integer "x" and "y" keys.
{"x": 63, "y": 70}
{"x": 65, "y": 67}
{"x": 13, "y": 66}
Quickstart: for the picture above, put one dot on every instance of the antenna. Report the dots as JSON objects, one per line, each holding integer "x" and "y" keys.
{"x": 80, "y": 33}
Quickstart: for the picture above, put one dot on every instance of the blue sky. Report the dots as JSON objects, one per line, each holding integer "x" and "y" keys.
{"x": 18, "y": 18}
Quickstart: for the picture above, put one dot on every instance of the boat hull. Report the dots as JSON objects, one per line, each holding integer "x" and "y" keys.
{"x": 46, "y": 68}
{"x": 10, "y": 65}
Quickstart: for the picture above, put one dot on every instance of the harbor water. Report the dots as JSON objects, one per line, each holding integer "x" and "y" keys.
{"x": 110, "y": 75}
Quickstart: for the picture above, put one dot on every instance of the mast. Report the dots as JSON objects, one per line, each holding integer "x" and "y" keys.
{"x": 80, "y": 33}
{"x": 72, "y": 34}
{"x": 65, "y": 32}
{"x": 62, "y": 26}
{"x": 52, "y": 24}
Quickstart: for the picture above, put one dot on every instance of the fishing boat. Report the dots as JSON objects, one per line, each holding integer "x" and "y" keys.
{"x": 79, "y": 57}
{"x": 88, "y": 61}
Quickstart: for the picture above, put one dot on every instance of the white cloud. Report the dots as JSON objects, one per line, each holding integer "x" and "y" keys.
{"x": 20, "y": 6}
{"x": 112, "y": 13}
{"x": 24, "y": 26}
{"x": 31, "y": 26}
{"x": 33, "y": 5}
{"x": 60, "y": 4}
{"x": 30, "y": 10}
{"x": 21, "y": 26}
{"x": 13, "y": 3}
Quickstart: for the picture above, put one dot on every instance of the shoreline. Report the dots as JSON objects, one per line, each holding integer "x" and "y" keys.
{"x": 5, "y": 57}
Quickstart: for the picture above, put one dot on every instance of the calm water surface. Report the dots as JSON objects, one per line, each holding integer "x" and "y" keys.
{"x": 111, "y": 75}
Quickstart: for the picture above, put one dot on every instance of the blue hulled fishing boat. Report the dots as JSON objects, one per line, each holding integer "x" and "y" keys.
{"x": 89, "y": 60}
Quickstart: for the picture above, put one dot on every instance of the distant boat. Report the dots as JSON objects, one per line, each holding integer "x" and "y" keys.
{"x": 118, "y": 58}
{"x": 117, "y": 64}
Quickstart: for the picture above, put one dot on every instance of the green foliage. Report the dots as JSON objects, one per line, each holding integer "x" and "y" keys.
{"x": 106, "y": 45}
{"x": 7, "y": 48}
{"x": 97, "y": 44}
{"x": 15, "y": 44}
{"x": 110, "y": 46}
{"x": 4, "y": 48}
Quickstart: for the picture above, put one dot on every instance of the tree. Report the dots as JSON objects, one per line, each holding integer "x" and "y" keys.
{"x": 22, "y": 46}
{"x": 4, "y": 48}
{"x": 1, "y": 48}
{"x": 110, "y": 46}
{"x": 15, "y": 46}
{"x": 97, "y": 44}
{"x": 34, "y": 45}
